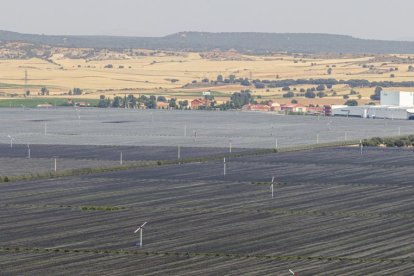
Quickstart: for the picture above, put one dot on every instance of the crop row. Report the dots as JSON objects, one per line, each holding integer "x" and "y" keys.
{"x": 142, "y": 164}
{"x": 293, "y": 212}
{"x": 209, "y": 254}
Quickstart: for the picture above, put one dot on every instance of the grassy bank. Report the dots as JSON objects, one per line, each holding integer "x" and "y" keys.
{"x": 33, "y": 102}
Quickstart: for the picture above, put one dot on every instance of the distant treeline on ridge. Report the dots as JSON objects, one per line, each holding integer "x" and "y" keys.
{"x": 258, "y": 43}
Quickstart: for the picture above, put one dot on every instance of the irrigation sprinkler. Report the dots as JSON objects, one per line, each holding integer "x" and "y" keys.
{"x": 11, "y": 141}
{"x": 224, "y": 166}
{"x": 293, "y": 273}
{"x": 140, "y": 233}
{"x": 120, "y": 159}
{"x": 271, "y": 186}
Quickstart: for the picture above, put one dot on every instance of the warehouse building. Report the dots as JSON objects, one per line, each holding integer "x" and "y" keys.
{"x": 394, "y": 105}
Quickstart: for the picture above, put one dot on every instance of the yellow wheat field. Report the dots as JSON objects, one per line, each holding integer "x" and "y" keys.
{"x": 153, "y": 75}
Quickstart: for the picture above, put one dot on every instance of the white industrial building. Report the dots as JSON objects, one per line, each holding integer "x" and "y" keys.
{"x": 394, "y": 105}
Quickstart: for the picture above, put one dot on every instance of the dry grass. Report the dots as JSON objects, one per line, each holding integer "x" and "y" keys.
{"x": 152, "y": 74}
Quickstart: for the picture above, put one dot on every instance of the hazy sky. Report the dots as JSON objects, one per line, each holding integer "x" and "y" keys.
{"x": 381, "y": 19}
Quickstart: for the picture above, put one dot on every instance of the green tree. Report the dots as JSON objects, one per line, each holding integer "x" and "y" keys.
{"x": 102, "y": 101}
{"x": 77, "y": 91}
{"x": 377, "y": 94}
{"x": 320, "y": 87}
{"x": 289, "y": 94}
{"x": 183, "y": 104}
{"x": 238, "y": 99}
{"x": 173, "y": 102}
{"x": 351, "y": 103}
{"x": 310, "y": 94}
{"x": 321, "y": 94}
{"x": 44, "y": 91}
{"x": 117, "y": 102}
{"x": 131, "y": 101}
{"x": 161, "y": 99}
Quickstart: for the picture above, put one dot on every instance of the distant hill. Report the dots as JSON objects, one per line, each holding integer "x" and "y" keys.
{"x": 243, "y": 42}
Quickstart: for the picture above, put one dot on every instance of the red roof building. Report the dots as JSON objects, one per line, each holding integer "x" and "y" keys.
{"x": 256, "y": 107}
{"x": 200, "y": 103}
{"x": 293, "y": 108}
{"x": 315, "y": 109}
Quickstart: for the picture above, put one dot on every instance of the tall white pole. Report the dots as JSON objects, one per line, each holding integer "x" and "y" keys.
{"x": 185, "y": 130}
{"x": 346, "y": 136}
{"x": 271, "y": 186}
{"x": 360, "y": 142}
{"x": 140, "y": 238}
{"x": 276, "y": 143}
{"x": 55, "y": 165}
{"x": 179, "y": 152}
{"x": 224, "y": 166}
{"x": 152, "y": 123}
{"x": 28, "y": 151}
{"x": 399, "y": 131}
{"x": 11, "y": 142}
{"x": 230, "y": 147}
{"x": 317, "y": 138}
{"x": 120, "y": 158}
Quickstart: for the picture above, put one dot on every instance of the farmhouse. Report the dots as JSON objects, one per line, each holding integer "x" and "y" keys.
{"x": 162, "y": 105}
{"x": 200, "y": 103}
{"x": 274, "y": 106}
{"x": 315, "y": 109}
{"x": 293, "y": 108}
{"x": 256, "y": 107}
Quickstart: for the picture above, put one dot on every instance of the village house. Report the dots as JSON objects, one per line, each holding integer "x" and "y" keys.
{"x": 200, "y": 103}
{"x": 293, "y": 108}
{"x": 256, "y": 107}
{"x": 163, "y": 105}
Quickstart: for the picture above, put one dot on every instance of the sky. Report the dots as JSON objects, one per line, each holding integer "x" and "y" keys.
{"x": 373, "y": 19}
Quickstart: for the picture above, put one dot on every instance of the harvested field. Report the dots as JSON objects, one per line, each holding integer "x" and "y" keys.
{"x": 334, "y": 210}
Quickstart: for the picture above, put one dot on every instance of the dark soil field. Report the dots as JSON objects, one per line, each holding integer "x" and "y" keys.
{"x": 129, "y": 153}
{"x": 334, "y": 212}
